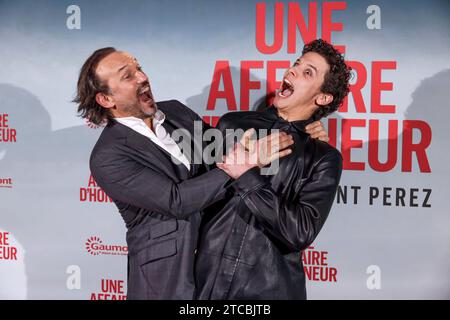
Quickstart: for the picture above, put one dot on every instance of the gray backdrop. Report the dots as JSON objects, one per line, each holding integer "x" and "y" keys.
{"x": 58, "y": 243}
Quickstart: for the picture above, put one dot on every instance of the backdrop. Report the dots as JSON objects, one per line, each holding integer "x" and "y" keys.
{"x": 388, "y": 234}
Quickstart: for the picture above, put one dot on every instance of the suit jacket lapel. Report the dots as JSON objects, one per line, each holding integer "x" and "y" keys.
{"x": 192, "y": 151}
{"x": 149, "y": 152}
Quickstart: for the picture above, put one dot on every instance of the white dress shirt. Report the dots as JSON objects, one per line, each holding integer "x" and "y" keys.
{"x": 160, "y": 136}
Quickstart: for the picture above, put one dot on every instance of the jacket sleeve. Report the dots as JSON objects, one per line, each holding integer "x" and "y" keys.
{"x": 296, "y": 223}
{"x": 128, "y": 181}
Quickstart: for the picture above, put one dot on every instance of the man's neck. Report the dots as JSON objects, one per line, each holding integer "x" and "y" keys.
{"x": 297, "y": 115}
{"x": 149, "y": 122}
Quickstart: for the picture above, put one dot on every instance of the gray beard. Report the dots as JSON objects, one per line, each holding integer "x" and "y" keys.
{"x": 138, "y": 113}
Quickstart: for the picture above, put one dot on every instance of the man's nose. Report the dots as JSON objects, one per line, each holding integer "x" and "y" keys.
{"x": 141, "y": 76}
{"x": 292, "y": 71}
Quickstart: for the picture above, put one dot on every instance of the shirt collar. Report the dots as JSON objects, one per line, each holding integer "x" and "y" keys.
{"x": 158, "y": 119}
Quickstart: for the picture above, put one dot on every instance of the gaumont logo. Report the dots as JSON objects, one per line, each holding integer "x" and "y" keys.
{"x": 95, "y": 246}
{"x": 6, "y": 183}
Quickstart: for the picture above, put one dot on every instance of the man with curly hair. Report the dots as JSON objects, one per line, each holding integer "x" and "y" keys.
{"x": 251, "y": 242}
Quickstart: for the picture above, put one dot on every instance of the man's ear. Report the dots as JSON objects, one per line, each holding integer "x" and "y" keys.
{"x": 324, "y": 99}
{"x": 104, "y": 100}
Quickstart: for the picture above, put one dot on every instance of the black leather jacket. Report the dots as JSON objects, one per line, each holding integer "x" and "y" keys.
{"x": 251, "y": 243}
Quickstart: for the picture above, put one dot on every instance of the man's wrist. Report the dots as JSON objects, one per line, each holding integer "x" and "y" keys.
{"x": 249, "y": 180}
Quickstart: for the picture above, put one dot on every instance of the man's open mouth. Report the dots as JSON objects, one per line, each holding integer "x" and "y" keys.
{"x": 287, "y": 89}
{"x": 145, "y": 95}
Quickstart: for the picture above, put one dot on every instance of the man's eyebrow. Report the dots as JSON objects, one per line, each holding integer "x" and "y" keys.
{"x": 313, "y": 67}
{"x": 121, "y": 68}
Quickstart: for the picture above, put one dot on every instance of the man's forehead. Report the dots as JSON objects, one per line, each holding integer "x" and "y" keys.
{"x": 314, "y": 59}
{"x": 128, "y": 56}
{"x": 120, "y": 57}
{"x": 115, "y": 61}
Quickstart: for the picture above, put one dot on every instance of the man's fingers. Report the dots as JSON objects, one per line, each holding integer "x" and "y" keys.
{"x": 249, "y": 132}
{"x": 313, "y": 125}
{"x": 324, "y": 138}
{"x": 272, "y": 137}
{"x": 277, "y": 135}
{"x": 316, "y": 130}
{"x": 247, "y": 141}
{"x": 220, "y": 165}
{"x": 318, "y": 134}
{"x": 282, "y": 143}
{"x": 279, "y": 155}
{"x": 279, "y": 138}
{"x": 284, "y": 153}
{"x": 321, "y": 137}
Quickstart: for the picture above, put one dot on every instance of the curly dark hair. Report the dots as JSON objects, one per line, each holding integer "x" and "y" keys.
{"x": 89, "y": 85}
{"x": 336, "y": 80}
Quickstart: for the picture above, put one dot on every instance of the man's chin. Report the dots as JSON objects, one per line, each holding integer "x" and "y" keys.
{"x": 280, "y": 102}
{"x": 149, "y": 109}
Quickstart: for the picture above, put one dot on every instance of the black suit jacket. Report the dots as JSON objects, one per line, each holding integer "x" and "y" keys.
{"x": 251, "y": 241}
{"x": 161, "y": 203}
